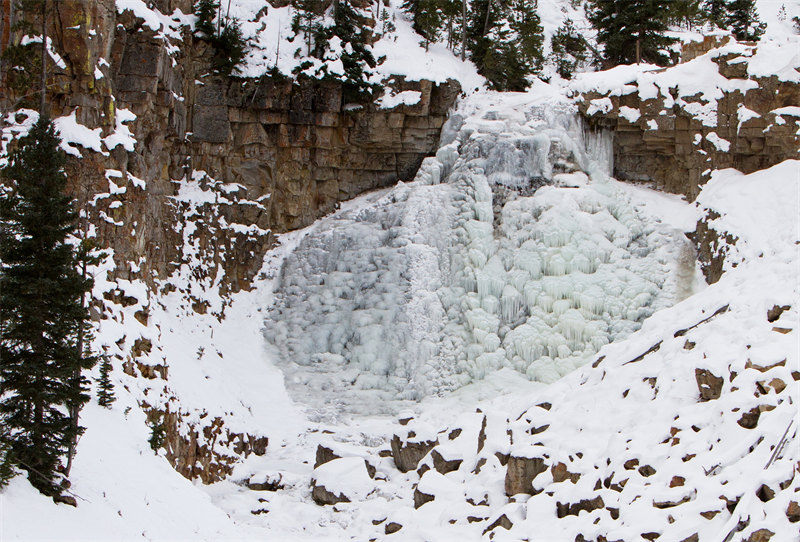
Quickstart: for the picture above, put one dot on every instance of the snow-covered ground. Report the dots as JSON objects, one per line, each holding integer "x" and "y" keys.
{"x": 621, "y": 406}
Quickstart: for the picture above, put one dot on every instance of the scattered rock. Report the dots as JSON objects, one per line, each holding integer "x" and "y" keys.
{"x": 270, "y": 482}
{"x": 341, "y": 480}
{"x": 322, "y": 496}
{"x": 573, "y": 509}
{"x": 392, "y": 527}
{"x": 324, "y": 454}
{"x": 647, "y": 470}
{"x": 561, "y": 474}
{"x": 761, "y": 535}
{"x": 65, "y": 499}
{"x": 502, "y": 521}
{"x": 443, "y": 465}
{"x": 520, "y": 473}
{"x": 775, "y": 312}
{"x": 631, "y": 464}
{"x": 407, "y": 455}
{"x": 793, "y": 511}
{"x": 421, "y": 498}
{"x": 710, "y": 386}
{"x": 749, "y": 419}
{"x": 765, "y": 493}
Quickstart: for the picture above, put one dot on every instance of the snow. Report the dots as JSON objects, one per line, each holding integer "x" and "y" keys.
{"x": 73, "y": 133}
{"x": 407, "y": 97}
{"x": 734, "y": 195}
{"x": 345, "y": 476}
{"x": 438, "y": 252}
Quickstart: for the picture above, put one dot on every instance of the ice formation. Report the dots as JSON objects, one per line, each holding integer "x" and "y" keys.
{"x": 511, "y": 248}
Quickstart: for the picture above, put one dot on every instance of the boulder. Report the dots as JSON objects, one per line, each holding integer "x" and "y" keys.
{"x": 341, "y": 480}
{"x": 520, "y": 473}
{"x": 710, "y": 386}
{"x": 407, "y": 454}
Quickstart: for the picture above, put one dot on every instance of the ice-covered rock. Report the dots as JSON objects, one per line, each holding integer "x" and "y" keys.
{"x": 510, "y": 249}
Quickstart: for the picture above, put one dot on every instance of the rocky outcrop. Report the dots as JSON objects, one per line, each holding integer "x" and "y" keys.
{"x": 193, "y": 174}
{"x": 205, "y": 452}
{"x": 661, "y": 137}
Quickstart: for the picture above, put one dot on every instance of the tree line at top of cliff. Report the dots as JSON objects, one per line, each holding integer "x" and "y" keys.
{"x": 503, "y": 38}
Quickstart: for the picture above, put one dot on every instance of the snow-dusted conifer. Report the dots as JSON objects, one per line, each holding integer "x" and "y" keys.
{"x": 41, "y": 382}
{"x": 742, "y": 19}
{"x": 631, "y": 30}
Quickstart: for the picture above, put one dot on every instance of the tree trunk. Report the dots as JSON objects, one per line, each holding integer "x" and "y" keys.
{"x": 463, "y": 30}
{"x": 638, "y": 50}
{"x": 486, "y": 22}
{"x": 43, "y": 102}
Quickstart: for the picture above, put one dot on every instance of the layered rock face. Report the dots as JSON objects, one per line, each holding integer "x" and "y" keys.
{"x": 671, "y": 131}
{"x": 284, "y": 152}
{"x": 187, "y": 176}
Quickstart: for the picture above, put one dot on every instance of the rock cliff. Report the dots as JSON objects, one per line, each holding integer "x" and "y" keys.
{"x": 726, "y": 105}
{"x": 186, "y": 176}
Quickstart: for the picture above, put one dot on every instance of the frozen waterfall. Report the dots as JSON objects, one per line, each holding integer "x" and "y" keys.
{"x": 511, "y": 248}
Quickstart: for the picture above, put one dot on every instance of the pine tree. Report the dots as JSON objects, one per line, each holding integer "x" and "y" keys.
{"x": 742, "y": 19}
{"x": 105, "y": 388}
{"x": 631, "y": 30}
{"x": 505, "y": 40}
{"x": 570, "y": 49}
{"x": 226, "y": 39}
{"x": 42, "y": 314}
{"x": 306, "y": 21}
{"x": 206, "y": 11}
{"x": 715, "y": 12}
{"x": 428, "y": 18}
{"x": 7, "y": 469}
{"x": 345, "y": 38}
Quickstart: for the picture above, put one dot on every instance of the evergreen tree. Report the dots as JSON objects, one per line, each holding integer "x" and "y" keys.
{"x": 306, "y": 21}
{"x": 230, "y": 48}
{"x": 42, "y": 314}
{"x": 715, "y": 12}
{"x": 105, "y": 388}
{"x": 427, "y": 17}
{"x": 631, "y": 30}
{"x": 7, "y": 469}
{"x": 505, "y": 39}
{"x": 206, "y": 12}
{"x": 226, "y": 39}
{"x": 345, "y": 38}
{"x": 570, "y": 49}
{"x": 685, "y": 12}
{"x": 743, "y": 21}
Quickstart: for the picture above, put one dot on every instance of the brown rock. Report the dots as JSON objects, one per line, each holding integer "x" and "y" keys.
{"x": 324, "y": 454}
{"x": 442, "y": 465}
{"x": 561, "y": 474}
{"x": 421, "y": 498}
{"x": 793, "y": 511}
{"x": 573, "y": 509}
{"x": 502, "y": 521}
{"x": 749, "y": 420}
{"x": 775, "y": 312}
{"x": 710, "y": 386}
{"x": 520, "y": 473}
{"x": 392, "y": 527}
{"x": 407, "y": 455}
{"x": 322, "y": 496}
{"x": 761, "y": 535}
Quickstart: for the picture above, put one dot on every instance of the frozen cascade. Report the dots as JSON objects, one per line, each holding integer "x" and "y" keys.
{"x": 511, "y": 248}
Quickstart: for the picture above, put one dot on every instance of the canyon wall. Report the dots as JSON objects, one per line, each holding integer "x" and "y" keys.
{"x": 718, "y": 109}
{"x": 185, "y": 177}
